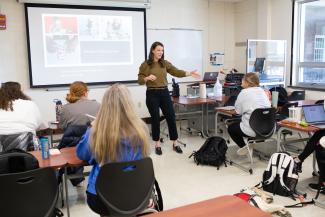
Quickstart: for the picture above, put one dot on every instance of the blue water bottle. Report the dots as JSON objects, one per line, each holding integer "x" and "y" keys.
{"x": 45, "y": 148}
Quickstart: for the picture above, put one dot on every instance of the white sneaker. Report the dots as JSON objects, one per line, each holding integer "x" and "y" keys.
{"x": 322, "y": 141}
{"x": 243, "y": 150}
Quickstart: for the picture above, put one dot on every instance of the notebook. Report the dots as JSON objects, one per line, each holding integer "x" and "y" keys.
{"x": 315, "y": 115}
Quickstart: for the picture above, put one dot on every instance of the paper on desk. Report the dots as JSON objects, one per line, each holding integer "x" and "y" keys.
{"x": 54, "y": 151}
{"x": 227, "y": 108}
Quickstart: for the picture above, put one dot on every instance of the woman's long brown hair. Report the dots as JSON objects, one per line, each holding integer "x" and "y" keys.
{"x": 151, "y": 56}
{"x": 9, "y": 92}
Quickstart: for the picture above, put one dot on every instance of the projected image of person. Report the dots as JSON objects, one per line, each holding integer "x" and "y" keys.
{"x": 153, "y": 73}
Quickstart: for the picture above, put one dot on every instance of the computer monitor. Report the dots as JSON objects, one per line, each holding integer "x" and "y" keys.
{"x": 259, "y": 64}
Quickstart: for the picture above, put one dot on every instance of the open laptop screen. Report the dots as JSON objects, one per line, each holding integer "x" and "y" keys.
{"x": 314, "y": 113}
{"x": 210, "y": 76}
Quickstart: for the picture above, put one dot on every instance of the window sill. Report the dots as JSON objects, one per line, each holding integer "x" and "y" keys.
{"x": 308, "y": 88}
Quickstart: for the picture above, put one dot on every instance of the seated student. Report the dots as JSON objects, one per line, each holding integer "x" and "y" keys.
{"x": 19, "y": 118}
{"x": 74, "y": 113}
{"x": 250, "y": 98}
{"x": 117, "y": 134}
{"x": 316, "y": 143}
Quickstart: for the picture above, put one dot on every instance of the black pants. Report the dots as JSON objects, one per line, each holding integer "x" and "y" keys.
{"x": 313, "y": 145}
{"x": 96, "y": 204}
{"x": 237, "y": 134}
{"x": 160, "y": 98}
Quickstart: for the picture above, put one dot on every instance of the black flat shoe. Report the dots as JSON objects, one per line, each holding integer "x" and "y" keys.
{"x": 158, "y": 151}
{"x": 177, "y": 149}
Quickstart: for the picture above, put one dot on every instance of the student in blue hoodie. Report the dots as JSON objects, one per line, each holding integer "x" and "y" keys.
{"x": 116, "y": 135}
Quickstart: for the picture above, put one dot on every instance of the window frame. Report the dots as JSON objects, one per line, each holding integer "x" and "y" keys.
{"x": 296, "y": 54}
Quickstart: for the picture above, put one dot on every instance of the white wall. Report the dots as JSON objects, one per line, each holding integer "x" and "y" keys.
{"x": 265, "y": 19}
{"x": 216, "y": 19}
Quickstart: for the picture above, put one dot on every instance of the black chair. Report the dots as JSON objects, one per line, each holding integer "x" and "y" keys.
{"x": 297, "y": 95}
{"x": 319, "y": 101}
{"x": 263, "y": 123}
{"x": 30, "y": 194}
{"x": 126, "y": 187}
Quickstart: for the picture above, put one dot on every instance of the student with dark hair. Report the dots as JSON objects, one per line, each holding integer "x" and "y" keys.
{"x": 153, "y": 73}
{"x": 19, "y": 118}
{"x": 18, "y": 113}
{"x": 250, "y": 98}
{"x": 79, "y": 106}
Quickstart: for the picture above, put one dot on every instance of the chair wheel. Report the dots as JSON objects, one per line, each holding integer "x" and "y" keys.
{"x": 250, "y": 171}
{"x": 230, "y": 162}
{"x": 228, "y": 141}
{"x": 161, "y": 140}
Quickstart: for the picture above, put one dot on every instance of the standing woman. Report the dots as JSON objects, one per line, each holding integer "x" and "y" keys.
{"x": 153, "y": 73}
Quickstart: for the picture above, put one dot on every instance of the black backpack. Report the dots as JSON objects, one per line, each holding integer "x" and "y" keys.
{"x": 281, "y": 176}
{"x": 212, "y": 152}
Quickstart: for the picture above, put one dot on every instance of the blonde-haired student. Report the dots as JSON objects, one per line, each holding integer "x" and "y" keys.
{"x": 251, "y": 97}
{"x": 116, "y": 135}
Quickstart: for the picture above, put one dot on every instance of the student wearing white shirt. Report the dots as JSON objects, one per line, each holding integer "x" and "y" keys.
{"x": 17, "y": 112}
{"x": 18, "y": 115}
{"x": 250, "y": 98}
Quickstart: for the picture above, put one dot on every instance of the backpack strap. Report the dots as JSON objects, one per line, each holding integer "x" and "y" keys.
{"x": 283, "y": 164}
{"x": 272, "y": 166}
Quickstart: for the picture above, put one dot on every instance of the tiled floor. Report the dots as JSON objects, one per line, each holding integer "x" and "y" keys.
{"x": 183, "y": 182}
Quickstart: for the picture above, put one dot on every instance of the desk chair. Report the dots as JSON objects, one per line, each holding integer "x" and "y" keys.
{"x": 126, "y": 187}
{"x": 30, "y": 194}
{"x": 23, "y": 141}
{"x": 297, "y": 95}
{"x": 263, "y": 123}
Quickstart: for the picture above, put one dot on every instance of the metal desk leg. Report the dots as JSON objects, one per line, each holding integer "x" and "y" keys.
{"x": 278, "y": 140}
{"x": 202, "y": 125}
{"x": 66, "y": 189}
{"x": 216, "y": 123}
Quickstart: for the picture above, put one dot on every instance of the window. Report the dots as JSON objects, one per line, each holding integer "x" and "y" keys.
{"x": 308, "y": 63}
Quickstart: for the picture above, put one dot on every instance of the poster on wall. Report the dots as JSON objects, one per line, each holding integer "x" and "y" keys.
{"x": 217, "y": 58}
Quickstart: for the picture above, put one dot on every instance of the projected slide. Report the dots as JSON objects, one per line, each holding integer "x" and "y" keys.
{"x": 92, "y": 44}
{"x": 86, "y": 40}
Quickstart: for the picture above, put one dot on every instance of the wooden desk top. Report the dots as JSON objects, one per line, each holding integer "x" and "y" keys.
{"x": 296, "y": 126}
{"x": 55, "y": 161}
{"x": 68, "y": 157}
{"x": 225, "y": 206}
{"x": 226, "y": 111}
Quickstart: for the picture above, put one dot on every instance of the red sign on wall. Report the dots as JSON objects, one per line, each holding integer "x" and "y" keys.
{"x": 2, "y": 22}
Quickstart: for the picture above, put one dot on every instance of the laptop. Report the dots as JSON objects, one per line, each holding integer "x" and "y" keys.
{"x": 210, "y": 76}
{"x": 315, "y": 115}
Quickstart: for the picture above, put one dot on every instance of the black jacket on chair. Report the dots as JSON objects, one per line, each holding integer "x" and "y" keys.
{"x": 72, "y": 135}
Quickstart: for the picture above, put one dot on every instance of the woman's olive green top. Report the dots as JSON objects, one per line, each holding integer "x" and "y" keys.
{"x": 160, "y": 72}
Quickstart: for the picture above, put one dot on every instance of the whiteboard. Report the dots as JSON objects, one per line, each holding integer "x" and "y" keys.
{"x": 183, "y": 48}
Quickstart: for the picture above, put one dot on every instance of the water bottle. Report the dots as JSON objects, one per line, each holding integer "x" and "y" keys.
{"x": 58, "y": 109}
{"x": 217, "y": 89}
{"x": 45, "y": 145}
